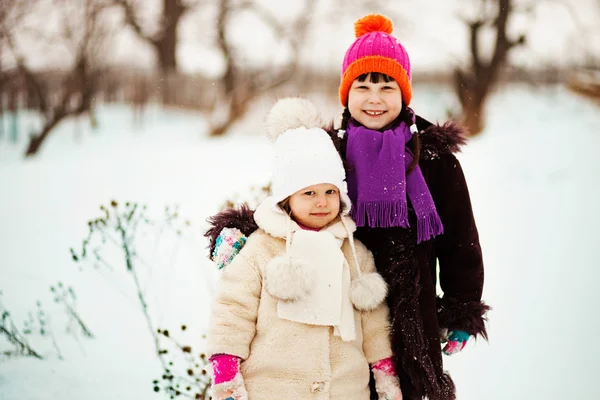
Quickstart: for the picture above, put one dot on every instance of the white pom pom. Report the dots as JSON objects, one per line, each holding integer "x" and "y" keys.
{"x": 368, "y": 291}
{"x": 291, "y": 113}
{"x": 288, "y": 279}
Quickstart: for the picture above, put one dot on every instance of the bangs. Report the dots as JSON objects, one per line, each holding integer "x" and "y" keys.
{"x": 375, "y": 77}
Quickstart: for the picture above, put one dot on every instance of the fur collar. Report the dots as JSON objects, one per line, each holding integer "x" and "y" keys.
{"x": 437, "y": 139}
{"x": 270, "y": 218}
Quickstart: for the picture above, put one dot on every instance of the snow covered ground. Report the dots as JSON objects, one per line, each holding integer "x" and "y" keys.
{"x": 534, "y": 178}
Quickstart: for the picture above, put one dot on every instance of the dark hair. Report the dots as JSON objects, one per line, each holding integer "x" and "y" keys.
{"x": 374, "y": 77}
{"x": 285, "y": 206}
{"x": 406, "y": 116}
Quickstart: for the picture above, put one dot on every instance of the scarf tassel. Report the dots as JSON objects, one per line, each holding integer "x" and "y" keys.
{"x": 381, "y": 214}
{"x": 428, "y": 226}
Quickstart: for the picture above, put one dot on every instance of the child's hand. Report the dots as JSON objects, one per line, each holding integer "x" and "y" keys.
{"x": 228, "y": 383}
{"x": 387, "y": 386}
{"x": 229, "y": 243}
{"x": 455, "y": 341}
{"x": 386, "y": 380}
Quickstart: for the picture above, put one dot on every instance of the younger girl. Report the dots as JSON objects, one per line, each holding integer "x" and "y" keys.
{"x": 300, "y": 312}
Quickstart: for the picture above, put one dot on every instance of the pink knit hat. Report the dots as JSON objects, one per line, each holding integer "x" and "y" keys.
{"x": 375, "y": 50}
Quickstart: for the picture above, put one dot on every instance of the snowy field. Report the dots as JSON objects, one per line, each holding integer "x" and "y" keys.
{"x": 534, "y": 177}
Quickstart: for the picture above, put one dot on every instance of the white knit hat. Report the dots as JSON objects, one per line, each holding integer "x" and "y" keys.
{"x": 304, "y": 154}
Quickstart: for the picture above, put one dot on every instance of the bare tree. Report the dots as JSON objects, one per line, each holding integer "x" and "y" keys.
{"x": 474, "y": 84}
{"x": 11, "y": 15}
{"x": 238, "y": 85}
{"x": 12, "y": 85}
{"x": 164, "y": 39}
{"x": 4, "y": 9}
{"x": 83, "y": 35}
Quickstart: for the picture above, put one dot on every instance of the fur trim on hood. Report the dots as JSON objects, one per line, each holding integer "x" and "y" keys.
{"x": 277, "y": 223}
{"x": 439, "y": 139}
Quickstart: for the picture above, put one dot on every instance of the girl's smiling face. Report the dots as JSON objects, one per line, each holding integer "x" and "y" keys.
{"x": 375, "y": 103}
{"x": 315, "y": 206}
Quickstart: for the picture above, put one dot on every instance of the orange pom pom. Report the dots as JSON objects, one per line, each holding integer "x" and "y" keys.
{"x": 372, "y": 23}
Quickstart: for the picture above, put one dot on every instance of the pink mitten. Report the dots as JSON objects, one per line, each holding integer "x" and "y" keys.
{"x": 228, "y": 383}
{"x": 386, "y": 380}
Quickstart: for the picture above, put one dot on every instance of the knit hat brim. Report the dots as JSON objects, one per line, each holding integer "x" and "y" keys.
{"x": 379, "y": 64}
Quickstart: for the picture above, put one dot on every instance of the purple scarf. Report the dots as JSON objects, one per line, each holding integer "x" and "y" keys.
{"x": 378, "y": 184}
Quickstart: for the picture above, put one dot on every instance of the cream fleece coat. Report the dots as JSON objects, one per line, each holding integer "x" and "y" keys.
{"x": 285, "y": 359}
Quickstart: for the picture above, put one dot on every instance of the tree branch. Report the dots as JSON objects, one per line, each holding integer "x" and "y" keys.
{"x": 474, "y": 28}
{"x": 504, "y": 9}
{"x": 173, "y": 10}
{"x": 519, "y": 42}
{"x": 263, "y": 14}
{"x": 132, "y": 21}
{"x": 26, "y": 72}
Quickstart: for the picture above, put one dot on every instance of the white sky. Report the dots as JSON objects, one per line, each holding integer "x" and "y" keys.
{"x": 431, "y": 30}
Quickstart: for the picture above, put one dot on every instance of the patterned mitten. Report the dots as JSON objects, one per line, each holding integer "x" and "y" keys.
{"x": 228, "y": 383}
{"x": 456, "y": 341}
{"x": 229, "y": 243}
{"x": 386, "y": 380}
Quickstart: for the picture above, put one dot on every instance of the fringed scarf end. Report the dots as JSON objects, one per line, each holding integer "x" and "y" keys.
{"x": 428, "y": 226}
{"x": 380, "y": 214}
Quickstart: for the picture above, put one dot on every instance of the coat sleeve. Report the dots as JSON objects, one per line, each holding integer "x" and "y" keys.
{"x": 375, "y": 323}
{"x": 459, "y": 254}
{"x": 235, "y": 306}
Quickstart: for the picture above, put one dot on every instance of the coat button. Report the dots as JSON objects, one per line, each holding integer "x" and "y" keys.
{"x": 317, "y": 386}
